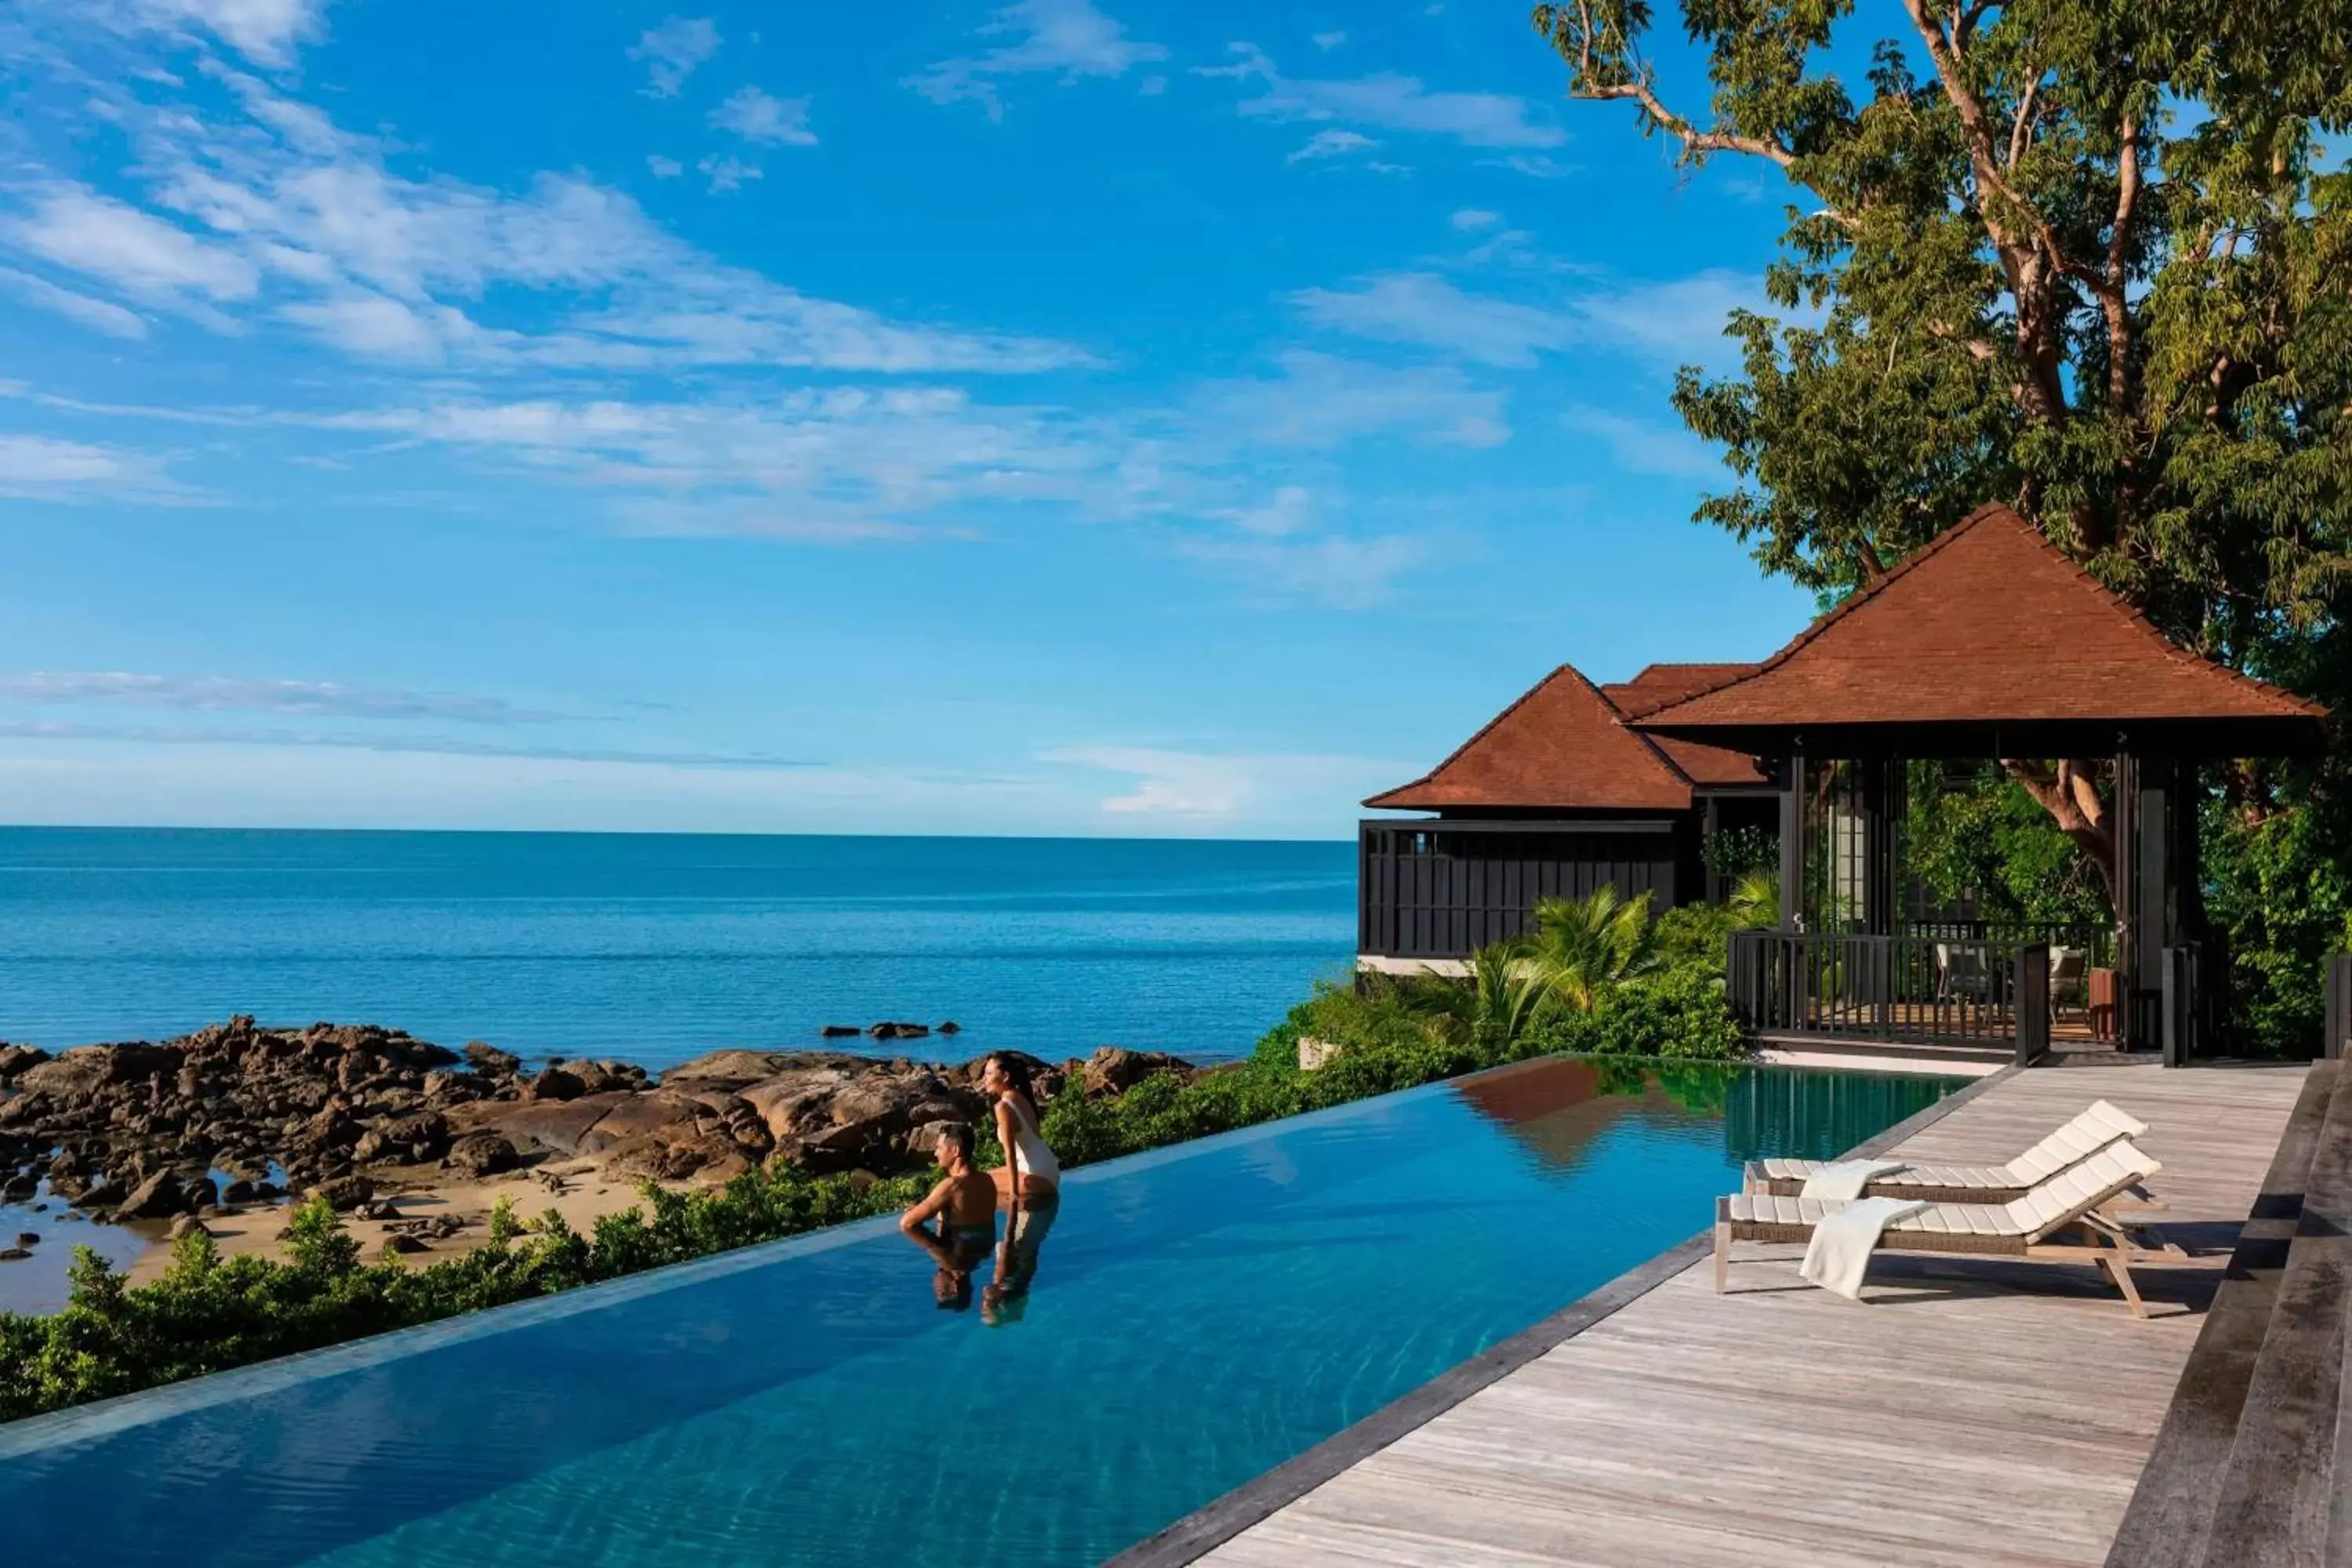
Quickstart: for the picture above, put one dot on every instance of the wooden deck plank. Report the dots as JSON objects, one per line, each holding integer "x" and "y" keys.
{"x": 1976, "y": 1411}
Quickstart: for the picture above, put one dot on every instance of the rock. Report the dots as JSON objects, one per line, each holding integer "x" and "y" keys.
{"x": 837, "y": 1031}
{"x": 103, "y": 1193}
{"x": 791, "y": 1102}
{"x": 1314, "y": 1054}
{"x": 160, "y": 1196}
{"x": 188, "y": 1225}
{"x": 1115, "y": 1069}
{"x": 490, "y": 1061}
{"x": 554, "y": 1083}
{"x": 239, "y": 1191}
{"x": 13, "y": 1255}
{"x": 727, "y": 1066}
{"x": 898, "y": 1031}
{"x": 395, "y": 1245}
{"x": 14, "y": 1059}
{"x": 481, "y": 1154}
{"x": 28, "y": 1238}
{"x": 950, "y": 1028}
{"x": 606, "y": 1077}
{"x": 555, "y": 1125}
{"x": 88, "y": 1068}
{"x": 343, "y": 1194}
{"x": 19, "y": 1187}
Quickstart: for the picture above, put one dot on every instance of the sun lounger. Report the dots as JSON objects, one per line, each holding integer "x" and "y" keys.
{"x": 2073, "y": 1202}
{"x": 2086, "y": 1135}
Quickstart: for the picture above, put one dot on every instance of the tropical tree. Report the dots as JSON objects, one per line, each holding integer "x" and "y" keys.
{"x": 1755, "y": 901}
{"x": 1584, "y": 947}
{"x": 2082, "y": 256}
{"x": 1496, "y": 1005}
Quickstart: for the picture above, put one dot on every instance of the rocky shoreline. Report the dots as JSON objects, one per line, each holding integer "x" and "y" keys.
{"x": 236, "y": 1116}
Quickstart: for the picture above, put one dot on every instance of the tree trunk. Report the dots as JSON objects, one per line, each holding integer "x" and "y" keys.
{"x": 2069, "y": 791}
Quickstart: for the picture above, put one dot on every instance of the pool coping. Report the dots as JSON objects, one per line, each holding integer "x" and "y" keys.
{"x": 1206, "y": 1528}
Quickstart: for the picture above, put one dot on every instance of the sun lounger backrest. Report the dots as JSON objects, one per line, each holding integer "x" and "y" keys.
{"x": 2080, "y": 1188}
{"x": 2091, "y": 1131}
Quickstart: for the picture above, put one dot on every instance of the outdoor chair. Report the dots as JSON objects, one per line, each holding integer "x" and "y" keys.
{"x": 2067, "y": 975}
{"x": 2070, "y": 1202}
{"x": 2078, "y": 1140}
{"x": 1960, "y": 973}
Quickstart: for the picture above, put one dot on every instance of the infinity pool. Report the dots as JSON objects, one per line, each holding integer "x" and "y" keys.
{"x": 1198, "y": 1316}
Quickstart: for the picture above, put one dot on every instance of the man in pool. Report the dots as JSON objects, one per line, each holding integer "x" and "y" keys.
{"x": 964, "y": 1203}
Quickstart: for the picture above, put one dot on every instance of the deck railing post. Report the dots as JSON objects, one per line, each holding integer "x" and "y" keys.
{"x": 2339, "y": 1005}
{"x": 2030, "y": 1002}
{"x": 2177, "y": 1006}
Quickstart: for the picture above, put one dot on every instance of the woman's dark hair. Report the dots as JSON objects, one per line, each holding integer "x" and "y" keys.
{"x": 1016, "y": 1073}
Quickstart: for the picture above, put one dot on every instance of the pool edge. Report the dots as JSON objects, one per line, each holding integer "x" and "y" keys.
{"x": 1209, "y": 1527}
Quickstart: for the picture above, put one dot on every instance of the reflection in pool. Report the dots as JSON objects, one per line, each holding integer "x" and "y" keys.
{"x": 1191, "y": 1318}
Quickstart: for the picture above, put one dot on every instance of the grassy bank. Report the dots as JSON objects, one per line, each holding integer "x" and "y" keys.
{"x": 209, "y": 1313}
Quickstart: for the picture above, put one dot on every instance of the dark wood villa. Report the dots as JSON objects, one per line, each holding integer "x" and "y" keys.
{"x": 1556, "y": 796}
{"x": 1989, "y": 647}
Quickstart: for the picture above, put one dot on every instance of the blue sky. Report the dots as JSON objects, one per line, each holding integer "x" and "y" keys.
{"x": 1067, "y": 417}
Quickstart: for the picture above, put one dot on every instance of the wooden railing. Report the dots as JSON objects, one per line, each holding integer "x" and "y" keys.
{"x": 1904, "y": 987}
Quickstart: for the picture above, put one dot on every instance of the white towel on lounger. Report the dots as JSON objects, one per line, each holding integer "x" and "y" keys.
{"x": 1841, "y": 1181}
{"x": 1839, "y": 1253}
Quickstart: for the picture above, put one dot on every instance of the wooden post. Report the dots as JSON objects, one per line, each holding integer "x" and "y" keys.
{"x": 2339, "y": 1023}
{"x": 1792, "y": 841}
{"x": 2029, "y": 1003}
{"x": 2177, "y": 994}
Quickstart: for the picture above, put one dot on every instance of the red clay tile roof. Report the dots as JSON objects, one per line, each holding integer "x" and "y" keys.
{"x": 1659, "y": 684}
{"x": 1561, "y": 745}
{"x": 1989, "y": 623}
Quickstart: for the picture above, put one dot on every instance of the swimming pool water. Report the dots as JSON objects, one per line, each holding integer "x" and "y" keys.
{"x": 1199, "y": 1315}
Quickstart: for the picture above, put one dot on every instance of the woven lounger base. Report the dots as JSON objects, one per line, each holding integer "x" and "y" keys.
{"x": 2108, "y": 1248}
{"x": 2137, "y": 1200}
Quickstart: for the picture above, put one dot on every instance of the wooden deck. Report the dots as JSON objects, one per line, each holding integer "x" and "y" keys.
{"x": 1977, "y": 1412}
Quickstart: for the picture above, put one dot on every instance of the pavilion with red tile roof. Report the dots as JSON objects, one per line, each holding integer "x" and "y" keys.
{"x": 1989, "y": 645}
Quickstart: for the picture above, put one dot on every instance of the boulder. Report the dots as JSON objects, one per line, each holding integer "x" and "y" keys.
{"x": 481, "y": 1154}
{"x": 14, "y": 1059}
{"x": 838, "y": 1031}
{"x": 1115, "y": 1069}
{"x": 85, "y": 1069}
{"x": 240, "y": 1192}
{"x": 950, "y": 1028}
{"x": 791, "y": 1102}
{"x": 638, "y": 1114}
{"x": 898, "y": 1031}
{"x": 165, "y": 1195}
{"x": 19, "y": 1187}
{"x": 605, "y": 1077}
{"x": 13, "y": 1255}
{"x": 188, "y": 1225}
{"x": 555, "y": 1083}
{"x": 491, "y": 1062}
{"x": 556, "y": 1125}
{"x": 105, "y": 1193}
{"x": 397, "y": 1244}
{"x": 28, "y": 1238}
{"x": 343, "y": 1194}
{"x": 725, "y": 1067}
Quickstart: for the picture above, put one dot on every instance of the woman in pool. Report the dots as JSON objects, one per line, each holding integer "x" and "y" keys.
{"x": 1030, "y": 1172}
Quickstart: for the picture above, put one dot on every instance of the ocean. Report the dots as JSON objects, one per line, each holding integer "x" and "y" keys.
{"x": 657, "y": 947}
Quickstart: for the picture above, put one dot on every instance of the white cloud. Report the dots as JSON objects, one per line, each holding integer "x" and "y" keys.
{"x": 1471, "y": 219}
{"x": 382, "y": 741}
{"x": 663, "y": 168}
{"x": 1422, "y": 309}
{"x": 1214, "y": 785}
{"x": 223, "y": 693}
{"x": 1640, "y": 446}
{"x": 756, "y": 116}
{"x": 1331, "y": 145}
{"x": 673, "y": 51}
{"x": 728, "y": 172}
{"x": 1666, "y": 322}
{"x": 262, "y": 30}
{"x": 1329, "y": 40}
{"x": 99, "y": 315}
{"x": 1322, "y": 401}
{"x": 1067, "y": 37}
{"x": 1338, "y": 571}
{"x": 78, "y": 228}
{"x": 308, "y": 225}
{"x": 43, "y": 468}
{"x": 1388, "y": 102}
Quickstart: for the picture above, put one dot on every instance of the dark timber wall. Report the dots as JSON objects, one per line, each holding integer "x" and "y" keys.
{"x": 1444, "y": 889}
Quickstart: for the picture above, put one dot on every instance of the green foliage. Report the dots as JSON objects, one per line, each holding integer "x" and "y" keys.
{"x": 1584, "y": 948}
{"x": 2277, "y": 895}
{"x": 1737, "y": 852}
{"x": 1991, "y": 841}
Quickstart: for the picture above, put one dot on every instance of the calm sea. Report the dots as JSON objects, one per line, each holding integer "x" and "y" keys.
{"x": 657, "y": 947}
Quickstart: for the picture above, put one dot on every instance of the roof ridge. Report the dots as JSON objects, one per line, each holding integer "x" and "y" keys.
{"x": 1454, "y": 755}
{"x": 1674, "y": 775}
{"x": 1622, "y": 721}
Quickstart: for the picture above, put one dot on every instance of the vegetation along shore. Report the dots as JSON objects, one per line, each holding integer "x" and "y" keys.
{"x": 381, "y": 1135}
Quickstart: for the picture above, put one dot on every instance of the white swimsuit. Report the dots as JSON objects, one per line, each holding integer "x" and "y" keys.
{"x": 1029, "y": 1153}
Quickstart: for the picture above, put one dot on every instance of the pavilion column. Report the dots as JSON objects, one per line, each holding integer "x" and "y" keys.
{"x": 2157, "y": 899}
{"x": 1883, "y": 799}
{"x": 1792, "y": 839}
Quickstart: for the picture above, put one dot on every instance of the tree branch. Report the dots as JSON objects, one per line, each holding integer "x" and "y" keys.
{"x": 2111, "y": 298}
{"x": 1693, "y": 139}
{"x": 2023, "y": 123}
